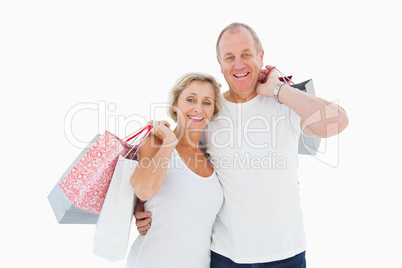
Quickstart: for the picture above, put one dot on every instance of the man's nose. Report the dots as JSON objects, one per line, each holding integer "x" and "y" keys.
{"x": 239, "y": 63}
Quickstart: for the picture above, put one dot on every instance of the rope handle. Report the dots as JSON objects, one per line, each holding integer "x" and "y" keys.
{"x": 147, "y": 129}
{"x": 284, "y": 78}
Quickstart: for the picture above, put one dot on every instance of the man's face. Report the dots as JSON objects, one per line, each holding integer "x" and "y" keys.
{"x": 240, "y": 63}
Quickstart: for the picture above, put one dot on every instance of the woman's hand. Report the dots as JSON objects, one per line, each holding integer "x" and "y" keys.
{"x": 163, "y": 133}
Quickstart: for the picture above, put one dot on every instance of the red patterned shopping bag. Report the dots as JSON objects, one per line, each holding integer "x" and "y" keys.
{"x": 87, "y": 183}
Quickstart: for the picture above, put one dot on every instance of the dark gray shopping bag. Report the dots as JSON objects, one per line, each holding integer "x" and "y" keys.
{"x": 307, "y": 144}
{"x": 63, "y": 208}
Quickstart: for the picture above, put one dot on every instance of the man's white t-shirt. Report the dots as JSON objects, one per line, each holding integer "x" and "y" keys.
{"x": 254, "y": 149}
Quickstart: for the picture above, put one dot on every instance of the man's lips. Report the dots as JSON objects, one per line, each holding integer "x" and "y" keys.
{"x": 241, "y": 75}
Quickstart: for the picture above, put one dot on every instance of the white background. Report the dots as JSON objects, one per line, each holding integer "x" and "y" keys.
{"x": 127, "y": 54}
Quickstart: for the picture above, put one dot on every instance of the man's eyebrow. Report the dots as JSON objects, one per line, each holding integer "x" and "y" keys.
{"x": 227, "y": 54}
{"x": 244, "y": 50}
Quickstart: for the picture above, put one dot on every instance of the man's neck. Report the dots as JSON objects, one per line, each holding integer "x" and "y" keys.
{"x": 239, "y": 98}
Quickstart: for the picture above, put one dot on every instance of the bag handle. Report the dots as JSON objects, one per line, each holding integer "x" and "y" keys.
{"x": 147, "y": 129}
{"x": 284, "y": 78}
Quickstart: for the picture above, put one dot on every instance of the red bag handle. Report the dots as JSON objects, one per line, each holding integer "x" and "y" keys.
{"x": 147, "y": 128}
{"x": 284, "y": 79}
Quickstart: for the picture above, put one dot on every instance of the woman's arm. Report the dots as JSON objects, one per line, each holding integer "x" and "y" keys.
{"x": 154, "y": 157}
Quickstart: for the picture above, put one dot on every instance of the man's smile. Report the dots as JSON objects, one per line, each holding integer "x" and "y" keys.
{"x": 241, "y": 75}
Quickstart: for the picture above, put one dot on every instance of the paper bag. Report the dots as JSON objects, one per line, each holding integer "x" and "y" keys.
{"x": 114, "y": 223}
{"x": 87, "y": 183}
{"x": 307, "y": 144}
{"x": 63, "y": 208}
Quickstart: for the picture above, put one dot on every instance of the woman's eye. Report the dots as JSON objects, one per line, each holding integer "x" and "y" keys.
{"x": 190, "y": 100}
{"x": 207, "y": 103}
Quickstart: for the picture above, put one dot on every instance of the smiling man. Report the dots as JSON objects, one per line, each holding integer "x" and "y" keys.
{"x": 261, "y": 219}
{"x": 241, "y": 62}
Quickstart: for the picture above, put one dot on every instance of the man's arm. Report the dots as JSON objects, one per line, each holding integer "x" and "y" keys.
{"x": 319, "y": 117}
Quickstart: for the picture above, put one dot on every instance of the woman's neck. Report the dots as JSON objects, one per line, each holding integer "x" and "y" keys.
{"x": 188, "y": 140}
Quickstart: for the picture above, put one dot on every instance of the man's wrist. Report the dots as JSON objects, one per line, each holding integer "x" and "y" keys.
{"x": 277, "y": 89}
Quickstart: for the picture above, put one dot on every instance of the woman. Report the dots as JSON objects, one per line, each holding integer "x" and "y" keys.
{"x": 179, "y": 184}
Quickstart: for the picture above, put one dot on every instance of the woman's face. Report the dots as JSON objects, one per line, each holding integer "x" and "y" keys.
{"x": 195, "y": 105}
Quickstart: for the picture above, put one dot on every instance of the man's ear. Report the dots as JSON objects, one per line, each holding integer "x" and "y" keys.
{"x": 262, "y": 58}
{"x": 220, "y": 64}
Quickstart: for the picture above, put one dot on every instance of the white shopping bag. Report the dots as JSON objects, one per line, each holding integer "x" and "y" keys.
{"x": 114, "y": 223}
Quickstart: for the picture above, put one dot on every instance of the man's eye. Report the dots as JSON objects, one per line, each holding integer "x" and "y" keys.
{"x": 229, "y": 58}
{"x": 246, "y": 55}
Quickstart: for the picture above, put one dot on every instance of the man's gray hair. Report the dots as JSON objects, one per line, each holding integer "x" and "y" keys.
{"x": 235, "y": 25}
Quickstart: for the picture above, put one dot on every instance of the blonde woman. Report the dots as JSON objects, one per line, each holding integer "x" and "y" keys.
{"x": 177, "y": 181}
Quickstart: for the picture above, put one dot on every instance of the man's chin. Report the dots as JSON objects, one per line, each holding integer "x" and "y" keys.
{"x": 243, "y": 89}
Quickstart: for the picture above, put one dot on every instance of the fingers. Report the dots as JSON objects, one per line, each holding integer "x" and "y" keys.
{"x": 269, "y": 67}
{"x": 162, "y": 122}
{"x": 144, "y": 228}
{"x": 143, "y": 220}
{"x": 140, "y": 215}
{"x": 143, "y": 225}
{"x": 266, "y": 73}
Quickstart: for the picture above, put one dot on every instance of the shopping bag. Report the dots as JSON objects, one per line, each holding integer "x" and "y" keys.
{"x": 87, "y": 183}
{"x": 307, "y": 144}
{"x": 114, "y": 223}
{"x": 79, "y": 194}
{"x": 63, "y": 208}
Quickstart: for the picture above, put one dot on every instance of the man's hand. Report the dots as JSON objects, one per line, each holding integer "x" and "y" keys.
{"x": 266, "y": 88}
{"x": 142, "y": 218}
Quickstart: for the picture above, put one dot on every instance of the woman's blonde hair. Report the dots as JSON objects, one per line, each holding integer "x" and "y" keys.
{"x": 184, "y": 81}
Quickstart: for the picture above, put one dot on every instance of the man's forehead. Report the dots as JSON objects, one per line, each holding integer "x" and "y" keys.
{"x": 236, "y": 39}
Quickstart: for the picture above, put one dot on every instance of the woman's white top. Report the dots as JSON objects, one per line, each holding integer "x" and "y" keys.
{"x": 183, "y": 213}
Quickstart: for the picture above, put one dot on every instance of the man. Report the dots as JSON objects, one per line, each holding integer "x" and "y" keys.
{"x": 253, "y": 146}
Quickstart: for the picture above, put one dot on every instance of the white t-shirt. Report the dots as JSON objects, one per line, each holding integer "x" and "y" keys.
{"x": 183, "y": 213}
{"x": 254, "y": 149}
